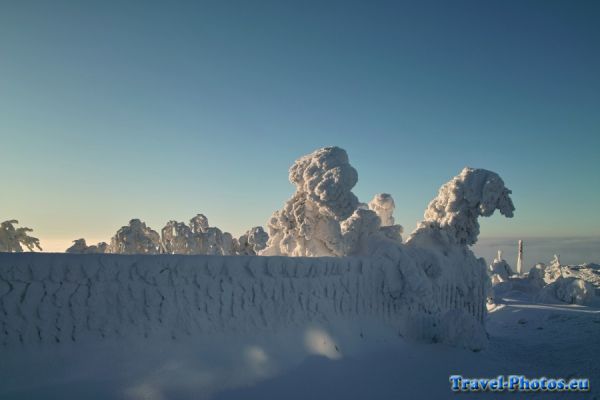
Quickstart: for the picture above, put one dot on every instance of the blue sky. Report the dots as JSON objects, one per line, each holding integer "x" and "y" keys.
{"x": 161, "y": 110}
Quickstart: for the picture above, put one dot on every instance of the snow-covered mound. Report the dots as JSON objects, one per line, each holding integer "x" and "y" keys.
{"x": 572, "y": 284}
{"x": 499, "y": 270}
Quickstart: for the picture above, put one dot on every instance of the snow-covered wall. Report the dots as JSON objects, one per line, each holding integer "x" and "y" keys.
{"x": 58, "y": 298}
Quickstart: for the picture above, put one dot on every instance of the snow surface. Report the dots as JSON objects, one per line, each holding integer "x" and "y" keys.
{"x": 159, "y": 342}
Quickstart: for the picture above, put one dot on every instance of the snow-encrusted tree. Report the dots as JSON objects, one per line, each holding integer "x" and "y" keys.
{"x": 13, "y": 239}
{"x": 499, "y": 270}
{"x": 177, "y": 238}
{"x": 135, "y": 238}
{"x": 80, "y": 247}
{"x": 252, "y": 242}
{"x": 455, "y": 211}
{"x": 312, "y": 223}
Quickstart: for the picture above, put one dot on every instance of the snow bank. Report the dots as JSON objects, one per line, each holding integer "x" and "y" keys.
{"x": 69, "y": 298}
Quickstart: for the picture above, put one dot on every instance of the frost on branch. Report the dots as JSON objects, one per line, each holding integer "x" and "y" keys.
{"x": 460, "y": 202}
{"x": 12, "y": 238}
{"x": 80, "y": 247}
{"x": 135, "y": 238}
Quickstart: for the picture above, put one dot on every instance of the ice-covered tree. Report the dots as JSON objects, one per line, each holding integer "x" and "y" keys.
{"x": 324, "y": 217}
{"x": 80, "y": 247}
{"x": 135, "y": 238}
{"x": 13, "y": 239}
{"x": 177, "y": 238}
{"x": 455, "y": 211}
{"x": 499, "y": 270}
{"x": 252, "y": 242}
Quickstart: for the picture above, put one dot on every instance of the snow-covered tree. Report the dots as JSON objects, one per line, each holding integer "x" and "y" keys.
{"x": 177, "y": 238}
{"x": 499, "y": 270}
{"x": 324, "y": 217}
{"x": 13, "y": 239}
{"x": 460, "y": 202}
{"x": 80, "y": 247}
{"x": 135, "y": 238}
{"x": 251, "y": 242}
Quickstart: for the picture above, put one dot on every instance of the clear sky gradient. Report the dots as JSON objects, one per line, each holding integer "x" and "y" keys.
{"x": 111, "y": 110}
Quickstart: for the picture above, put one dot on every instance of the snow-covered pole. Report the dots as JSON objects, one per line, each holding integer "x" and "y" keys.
{"x": 520, "y": 258}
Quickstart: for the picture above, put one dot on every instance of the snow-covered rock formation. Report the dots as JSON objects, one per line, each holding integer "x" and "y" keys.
{"x": 13, "y": 239}
{"x": 80, "y": 247}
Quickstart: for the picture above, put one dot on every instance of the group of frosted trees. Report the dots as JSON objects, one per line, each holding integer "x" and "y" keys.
{"x": 197, "y": 237}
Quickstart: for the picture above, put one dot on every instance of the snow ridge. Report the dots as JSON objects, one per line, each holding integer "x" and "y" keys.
{"x": 64, "y": 298}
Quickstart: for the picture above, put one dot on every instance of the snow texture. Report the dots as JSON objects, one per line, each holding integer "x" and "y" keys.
{"x": 57, "y": 298}
{"x": 12, "y": 239}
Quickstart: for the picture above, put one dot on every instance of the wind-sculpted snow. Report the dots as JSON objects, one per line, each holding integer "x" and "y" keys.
{"x": 460, "y": 202}
{"x": 59, "y": 298}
